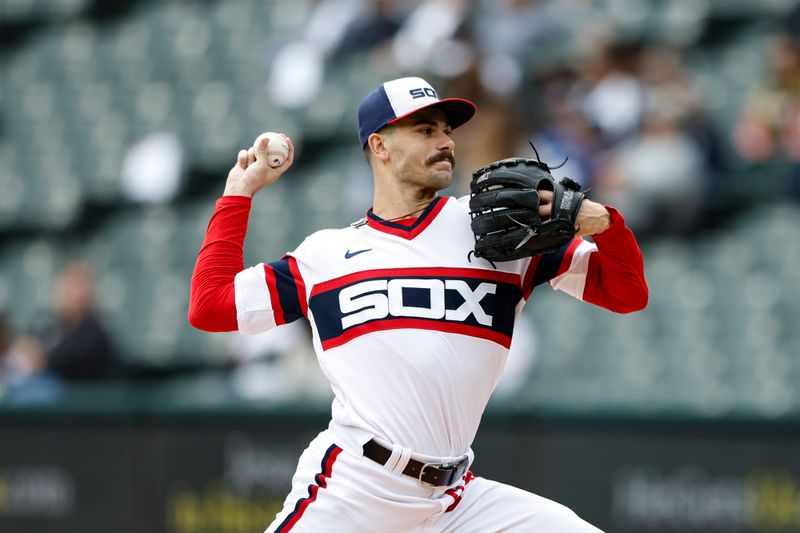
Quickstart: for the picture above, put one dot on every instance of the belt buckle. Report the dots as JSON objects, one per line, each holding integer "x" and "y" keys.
{"x": 422, "y": 473}
{"x": 452, "y": 467}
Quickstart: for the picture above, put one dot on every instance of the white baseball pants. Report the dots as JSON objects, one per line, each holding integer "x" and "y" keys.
{"x": 338, "y": 492}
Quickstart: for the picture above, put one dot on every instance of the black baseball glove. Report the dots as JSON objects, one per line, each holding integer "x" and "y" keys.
{"x": 504, "y": 205}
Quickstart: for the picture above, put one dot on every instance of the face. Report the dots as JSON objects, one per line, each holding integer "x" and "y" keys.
{"x": 74, "y": 290}
{"x": 421, "y": 150}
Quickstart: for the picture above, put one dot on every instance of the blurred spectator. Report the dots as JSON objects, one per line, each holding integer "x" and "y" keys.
{"x": 793, "y": 21}
{"x": 489, "y": 140}
{"x": 23, "y": 375}
{"x": 494, "y": 135}
{"x": 20, "y": 359}
{"x": 668, "y": 88}
{"x": 6, "y": 364}
{"x": 635, "y": 131}
{"x": 769, "y": 125}
{"x": 666, "y": 84}
{"x": 378, "y": 23}
{"x": 572, "y": 137}
{"x": 298, "y": 69}
{"x": 75, "y": 344}
{"x": 657, "y": 178}
{"x": 428, "y": 39}
{"x": 5, "y": 342}
{"x": 609, "y": 91}
{"x": 564, "y": 131}
{"x": 518, "y": 28}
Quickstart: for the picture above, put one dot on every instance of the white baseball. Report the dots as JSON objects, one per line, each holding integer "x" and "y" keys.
{"x": 277, "y": 150}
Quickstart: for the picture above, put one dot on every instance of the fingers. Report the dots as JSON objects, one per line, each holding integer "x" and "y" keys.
{"x": 258, "y": 152}
{"x": 290, "y": 157}
{"x": 261, "y": 146}
{"x": 545, "y": 203}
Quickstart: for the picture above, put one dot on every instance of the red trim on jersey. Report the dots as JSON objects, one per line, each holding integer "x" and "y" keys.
{"x": 457, "y": 492}
{"x": 417, "y": 323}
{"x": 408, "y": 221}
{"x": 436, "y": 272}
{"x": 321, "y": 480}
{"x": 272, "y": 285}
{"x": 301, "y": 285}
{"x": 412, "y": 231}
{"x": 527, "y": 284}
{"x": 566, "y": 261}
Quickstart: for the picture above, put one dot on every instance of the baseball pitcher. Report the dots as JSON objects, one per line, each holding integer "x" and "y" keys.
{"x": 412, "y": 310}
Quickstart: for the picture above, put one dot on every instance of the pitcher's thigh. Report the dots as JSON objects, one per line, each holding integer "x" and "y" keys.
{"x": 488, "y": 506}
{"x": 336, "y": 492}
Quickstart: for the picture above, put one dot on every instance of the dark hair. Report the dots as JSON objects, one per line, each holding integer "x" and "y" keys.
{"x": 383, "y": 131}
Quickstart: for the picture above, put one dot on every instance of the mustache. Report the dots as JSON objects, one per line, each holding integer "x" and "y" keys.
{"x": 442, "y": 156}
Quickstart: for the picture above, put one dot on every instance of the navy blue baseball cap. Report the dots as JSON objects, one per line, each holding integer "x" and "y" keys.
{"x": 399, "y": 98}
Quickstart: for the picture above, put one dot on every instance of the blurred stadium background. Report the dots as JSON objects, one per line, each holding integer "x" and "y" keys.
{"x": 119, "y": 122}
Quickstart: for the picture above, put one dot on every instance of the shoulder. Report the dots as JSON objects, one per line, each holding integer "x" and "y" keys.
{"x": 324, "y": 242}
{"x": 461, "y": 201}
{"x": 323, "y": 239}
{"x": 456, "y": 206}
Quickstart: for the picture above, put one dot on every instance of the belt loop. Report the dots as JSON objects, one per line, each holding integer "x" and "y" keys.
{"x": 398, "y": 460}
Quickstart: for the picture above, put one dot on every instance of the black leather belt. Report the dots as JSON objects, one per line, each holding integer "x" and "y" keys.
{"x": 429, "y": 474}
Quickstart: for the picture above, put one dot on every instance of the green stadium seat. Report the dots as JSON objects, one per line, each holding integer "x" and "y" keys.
{"x": 718, "y": 338}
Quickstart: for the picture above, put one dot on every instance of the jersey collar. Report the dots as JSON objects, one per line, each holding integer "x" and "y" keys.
{"x": 407, "y": 232}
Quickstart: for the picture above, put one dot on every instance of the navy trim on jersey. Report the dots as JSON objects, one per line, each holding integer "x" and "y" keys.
{"x": 376, "y": 222}
{"x": 549, "y": 265}
{"x": 320, "y": 482}
{"x": 467, "y": 301}
{"x": 286, "y": 286}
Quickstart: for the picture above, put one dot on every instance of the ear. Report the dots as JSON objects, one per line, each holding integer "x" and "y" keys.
{"x": 377, "y": 146}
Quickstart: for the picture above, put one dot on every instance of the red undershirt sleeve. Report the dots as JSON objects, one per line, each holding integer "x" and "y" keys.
{"x": 212, "y": 304}
{"x": 615, "y": 279}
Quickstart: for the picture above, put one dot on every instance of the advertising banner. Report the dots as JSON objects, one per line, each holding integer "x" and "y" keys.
{"x": 203, "y": 474}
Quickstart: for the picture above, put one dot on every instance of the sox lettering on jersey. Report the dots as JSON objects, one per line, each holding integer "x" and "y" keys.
{"x": 450, "y": 300}
{"x": 370, "y": 300}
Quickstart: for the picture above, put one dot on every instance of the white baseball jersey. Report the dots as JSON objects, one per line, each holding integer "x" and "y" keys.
{"x": 413, "y": 332}
{"x": 411, "y": 329}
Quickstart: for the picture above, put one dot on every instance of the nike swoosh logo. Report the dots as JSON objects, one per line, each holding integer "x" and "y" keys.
{"x": 348, "y": 254}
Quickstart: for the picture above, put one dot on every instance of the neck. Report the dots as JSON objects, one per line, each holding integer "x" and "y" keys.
{"x": 402, "y": 203}
{"x": 395, "y": 198}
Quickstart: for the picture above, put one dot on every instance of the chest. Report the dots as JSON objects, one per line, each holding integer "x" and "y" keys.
{"x": 374, "y": 282}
